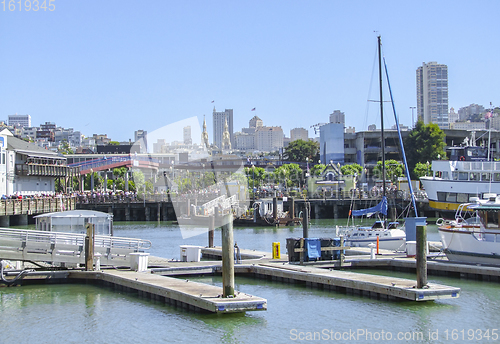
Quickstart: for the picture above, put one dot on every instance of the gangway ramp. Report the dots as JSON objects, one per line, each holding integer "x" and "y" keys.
{"x": 66, "y": 248}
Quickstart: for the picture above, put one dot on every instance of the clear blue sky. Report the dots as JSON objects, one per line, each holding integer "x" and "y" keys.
{"x": 116, "y": 66}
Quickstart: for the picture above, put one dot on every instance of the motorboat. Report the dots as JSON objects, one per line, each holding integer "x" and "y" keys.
{"x": 474, "y": 235}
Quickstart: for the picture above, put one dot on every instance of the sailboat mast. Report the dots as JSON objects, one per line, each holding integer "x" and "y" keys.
{"x": 381, "y": 113}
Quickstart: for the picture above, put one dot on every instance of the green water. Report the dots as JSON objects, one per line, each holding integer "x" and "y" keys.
{"x": 91, "y": 314}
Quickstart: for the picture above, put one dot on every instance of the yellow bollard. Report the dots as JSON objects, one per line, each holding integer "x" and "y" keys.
{"x": 276, "y": 250}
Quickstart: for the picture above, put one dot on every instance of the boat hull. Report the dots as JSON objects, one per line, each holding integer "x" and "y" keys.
{"x": 392, "y": 243}
{"x": 472, "y": 247}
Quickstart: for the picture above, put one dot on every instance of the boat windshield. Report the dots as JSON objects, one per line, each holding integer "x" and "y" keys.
{"x": 489, "y": 219}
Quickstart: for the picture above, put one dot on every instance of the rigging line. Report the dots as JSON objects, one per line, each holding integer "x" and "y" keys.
{"x": 401, "y": 141}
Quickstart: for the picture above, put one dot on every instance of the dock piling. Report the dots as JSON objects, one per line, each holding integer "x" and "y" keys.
{"x": 89, "y": 247}
{"x": 211, "y": 231}
{"x": 227, "y": 257}
{"x": 421, "y": 256}
{"x": 305, "y": 222}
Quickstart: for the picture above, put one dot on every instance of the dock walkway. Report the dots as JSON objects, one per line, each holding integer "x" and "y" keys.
{"x": 179, "y": 292}
{"x": 374, "y": 286}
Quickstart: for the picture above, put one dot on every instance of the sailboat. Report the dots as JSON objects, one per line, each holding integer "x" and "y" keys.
{"x": 388, "y": 234}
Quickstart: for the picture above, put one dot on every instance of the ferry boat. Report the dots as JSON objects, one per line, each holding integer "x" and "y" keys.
{"x": 467, "y": 175}
{"x": 474, "y": 236}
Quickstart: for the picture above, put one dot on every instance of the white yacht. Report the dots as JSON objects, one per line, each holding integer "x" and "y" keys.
{"x": 474, "y": 235}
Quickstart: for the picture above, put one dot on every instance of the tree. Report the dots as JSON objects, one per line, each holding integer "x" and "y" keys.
{"x": 317, "y": 169}
{"x": 351, "y": 169}
{"x": 424, "y": 143}
{"x": 393, "y": 170}
{"x": 288, "y": 174}
{"x": 98, "y": 181}
{"x": 299, "y": 150}
{"x": 422, "y": 170}
{"x": 64, "y": 147}
{"x": 255, "y": 176}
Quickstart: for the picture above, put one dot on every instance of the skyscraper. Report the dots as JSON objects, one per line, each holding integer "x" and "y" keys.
{"x": 219, "y": 118}
{"x": 187, "y": 135}
{"x": 432, "y": 94}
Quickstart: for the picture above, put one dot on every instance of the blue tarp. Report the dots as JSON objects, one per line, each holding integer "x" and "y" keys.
{"x": 379, "y": 208}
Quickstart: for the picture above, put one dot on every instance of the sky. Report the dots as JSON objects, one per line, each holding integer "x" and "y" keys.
{"x": 117, "y": 66}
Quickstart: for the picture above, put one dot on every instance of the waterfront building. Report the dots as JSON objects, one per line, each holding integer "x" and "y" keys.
{"x": 432, "y": 94}
{"x": 299, "y": 134}
{"x": 28, "y": 169}
{"x": 219, "y": 118}
{"x": 20, "y": 120}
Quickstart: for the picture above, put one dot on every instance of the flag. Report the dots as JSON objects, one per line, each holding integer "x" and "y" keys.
{"x": 253, "y": 109}
{"x": 212, "y": 101}
{"x": 488, "y": 115}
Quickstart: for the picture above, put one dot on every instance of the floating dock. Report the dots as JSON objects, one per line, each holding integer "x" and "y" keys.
{"x": 373, "y": 286}
{"x": 329, "y": 277}
{"x": 178, "y": 292}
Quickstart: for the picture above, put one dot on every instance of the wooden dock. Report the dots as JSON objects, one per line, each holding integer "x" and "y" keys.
{"x": 330, "y": 277}
{"x": 373, "y": 286}
{"x": 191, "y": 295}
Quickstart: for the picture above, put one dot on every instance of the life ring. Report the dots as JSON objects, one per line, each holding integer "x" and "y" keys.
{"x": 462, "y": 158}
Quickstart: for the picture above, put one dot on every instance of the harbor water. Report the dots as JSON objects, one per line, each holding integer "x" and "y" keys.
{"x": 76, "y": 313}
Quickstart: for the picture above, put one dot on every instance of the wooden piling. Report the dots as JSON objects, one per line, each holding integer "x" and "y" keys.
{"x": 421, "y": 256}
{"x": 305, "y": 222}
{"x": 275, "y": 208}
{"x": 211, "y": 231}
{"x": 227, "y": 257}
{"x": 89, "y": 247}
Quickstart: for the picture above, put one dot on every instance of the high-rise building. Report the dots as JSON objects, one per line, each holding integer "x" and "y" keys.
{"x": 331, "y": 143}
{"x": 142, "y": 137}
{"x": 299, "y": 134}
{"x": 20, "y": 120}
{"x": 432, "y": 94}
{"x": 187, "y": 135}
{"x": 255, "y": 122}
{"x": 337, "y": 117}
{"x": 268, "y": 139}
{"x": 219, "y": 118}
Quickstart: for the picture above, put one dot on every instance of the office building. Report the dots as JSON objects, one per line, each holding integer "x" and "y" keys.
{"x": 20, "y": 120}
{"x": 432, "y": 94}
{"x": 219, "y": 119}
{"x": 299, "y": 134}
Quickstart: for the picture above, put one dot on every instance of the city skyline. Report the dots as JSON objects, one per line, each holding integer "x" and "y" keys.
{"x": 117, "y": 67}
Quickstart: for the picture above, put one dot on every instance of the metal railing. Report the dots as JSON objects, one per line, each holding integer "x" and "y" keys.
{"x": 68, "y": 248}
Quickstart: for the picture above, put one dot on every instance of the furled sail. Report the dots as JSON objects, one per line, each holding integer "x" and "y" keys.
{"x": 379, "y": 208}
